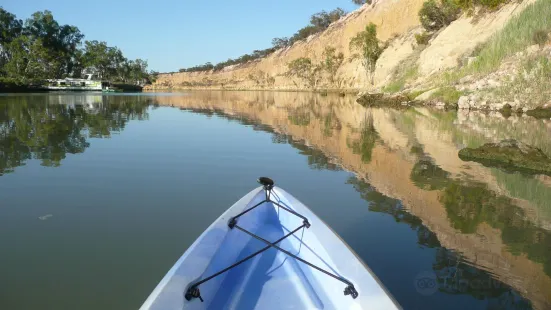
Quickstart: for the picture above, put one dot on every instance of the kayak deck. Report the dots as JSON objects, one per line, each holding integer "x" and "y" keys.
{"x": 272, "y": 279}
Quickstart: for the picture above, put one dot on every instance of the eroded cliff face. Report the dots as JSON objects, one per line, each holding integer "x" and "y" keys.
{"x": 392, "y": 17}
{"x": 397, "y": 22}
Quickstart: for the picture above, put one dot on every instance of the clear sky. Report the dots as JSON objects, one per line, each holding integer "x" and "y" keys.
{"x": 173, "y": 34}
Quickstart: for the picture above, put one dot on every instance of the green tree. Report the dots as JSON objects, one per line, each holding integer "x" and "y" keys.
{"x": 362, "y": 2}
{"x": 60, "y": 41}
{"x": 323, "y": 19}
{"x": 10, "y": 29}
{"x": 332, "y": 62}
{"x": 304, "y": 69}
{"x": 367, "y": 44}
{"x": 280, "y": 42}
{"x": 41, "y": 48}
{"x": 105, "y": 59}
{"x": 29, "y": 60}
{"x": 435, "y": 15}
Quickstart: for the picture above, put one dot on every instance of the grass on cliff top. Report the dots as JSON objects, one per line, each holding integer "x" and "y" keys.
{"x": 517, "y": 34}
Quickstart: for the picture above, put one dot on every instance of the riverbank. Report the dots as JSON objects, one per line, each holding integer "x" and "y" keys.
{"x": 12, "y": 87}
{"x": 472, "y": 63}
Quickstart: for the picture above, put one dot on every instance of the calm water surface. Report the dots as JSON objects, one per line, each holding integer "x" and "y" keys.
{"x": 100, "y": 195}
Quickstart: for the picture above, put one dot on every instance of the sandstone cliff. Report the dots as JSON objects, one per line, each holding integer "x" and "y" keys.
{"x": 397, "y": 23}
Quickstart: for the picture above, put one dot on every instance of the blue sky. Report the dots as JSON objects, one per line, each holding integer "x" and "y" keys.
{"x": 173, "y": 34}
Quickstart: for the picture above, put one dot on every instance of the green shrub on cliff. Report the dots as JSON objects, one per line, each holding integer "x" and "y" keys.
{"x": 540, "y": 37}
{"x": 437, "y": 14}
{"x": 362, "y": 2}
{"x": 422, "y": 38}
{"x": 449, "y": 95}
{"x": 368, "y": 46}
{"x": 332, "y": 62}
{"x": 304, "y": 69}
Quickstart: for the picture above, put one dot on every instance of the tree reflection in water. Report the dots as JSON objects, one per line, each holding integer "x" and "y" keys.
{"x": 51, "y": 128}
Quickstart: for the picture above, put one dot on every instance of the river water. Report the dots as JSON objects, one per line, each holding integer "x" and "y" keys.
{"x": 101, "y": 194}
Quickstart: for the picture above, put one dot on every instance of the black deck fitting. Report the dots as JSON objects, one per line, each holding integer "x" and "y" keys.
{"x": 232, "y": 223}
{"x": 193, "y": 292}
{"x": 351, "y": 290}
{"x": 266, "y": 182}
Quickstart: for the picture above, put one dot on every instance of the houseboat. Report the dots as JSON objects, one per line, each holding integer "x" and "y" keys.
{"x": 88, "y": 83}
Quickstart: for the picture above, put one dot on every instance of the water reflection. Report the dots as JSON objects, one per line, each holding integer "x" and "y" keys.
{"x": 450, "y": 274}
{"x": 489, "y": 229}
{"x": 364, "y": 144}
{"x": 486, "y": 224}
{"x": 48, "y": 128}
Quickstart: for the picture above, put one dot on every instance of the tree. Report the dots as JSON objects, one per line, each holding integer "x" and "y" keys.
{"x": 322, "y": 20}
{"x": 152, "y": 76}
{"x": 435, "y": 15}
{"x": 332, "y": 62}
{"x": 367, "y": 44}
{"x": 60, "y": 41}
{"x": 10, "y": 27}
{"x": 105, "y": 59}
{"x": 41, "y": 48}
{"x": 304, "y": 33}
{"x": 29, "y": 60}
{"x": 304, "y": 69}
{"x": 362, "y": 2}
{"x": 280, "y": 42}
{"x": 318, "y": 23}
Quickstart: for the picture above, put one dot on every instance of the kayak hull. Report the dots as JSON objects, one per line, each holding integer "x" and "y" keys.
{"x": 272, "y": 279}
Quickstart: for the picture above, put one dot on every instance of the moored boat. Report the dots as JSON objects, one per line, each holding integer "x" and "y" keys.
{"x": 269, "y": 251}
{"x": 85, "y": 84}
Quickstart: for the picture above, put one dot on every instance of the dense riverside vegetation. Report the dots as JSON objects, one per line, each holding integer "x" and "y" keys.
{"x": 40, "y": 48}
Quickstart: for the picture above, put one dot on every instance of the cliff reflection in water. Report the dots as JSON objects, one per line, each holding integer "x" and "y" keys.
{"x": 50, "y": 127}
{"x": 485, "y": 226}
{"x": 474, "y": 215}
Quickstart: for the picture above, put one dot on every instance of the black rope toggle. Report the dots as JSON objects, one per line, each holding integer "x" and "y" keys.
{"x": 193, "y": 290}
{"x": 351, "y": 290}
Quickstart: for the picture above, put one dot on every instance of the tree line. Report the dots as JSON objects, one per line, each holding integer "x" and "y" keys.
{"x": 40, "y": 48}
{"x": 318, "y": 23}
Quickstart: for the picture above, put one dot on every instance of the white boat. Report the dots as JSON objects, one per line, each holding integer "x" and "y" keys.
{"x": 269, "y": 251}
{"x": 87, "y": 83}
